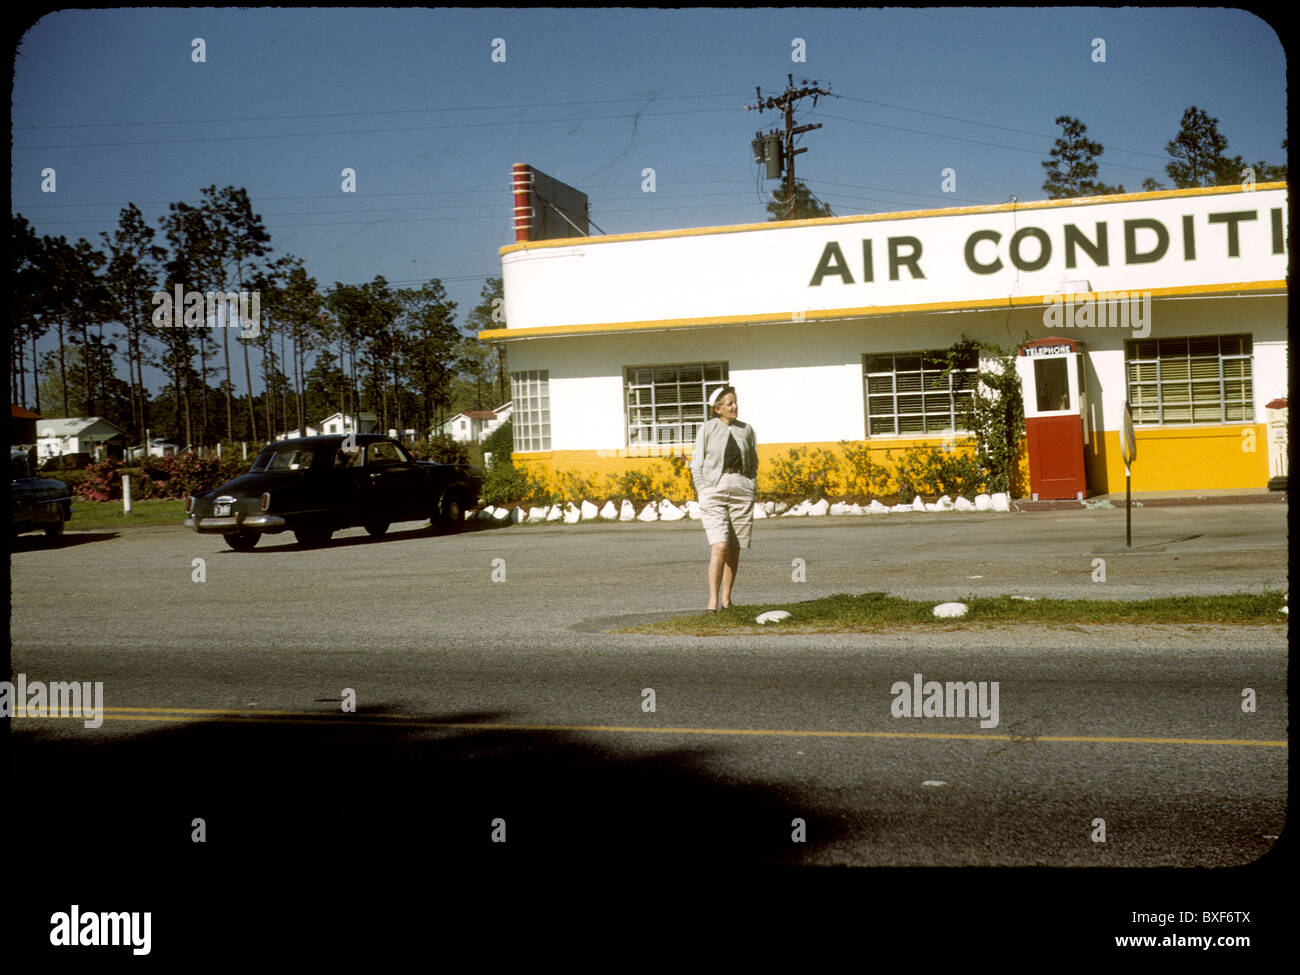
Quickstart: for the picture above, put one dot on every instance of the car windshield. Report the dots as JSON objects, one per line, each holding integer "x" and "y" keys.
{"x": 296, "y": 459}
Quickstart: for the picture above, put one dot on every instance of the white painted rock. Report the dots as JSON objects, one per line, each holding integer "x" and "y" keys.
{"x": 501, "y": 514}
{"x": 876, "y": 508}
{"x": 627, "y": 511}
{"x": 649, "y": 513}
{"x": 839, "y": 508}
{"x": 588, "y": 511}
{"x": 798, "y": 511}
{"x": 768, "y": 507}
{"x": 670, "y": 512}
{"x": 932, "y": 506}
{"x": 537, "y": 514}
{"x": 518, "y": 515}
{"x": 485, "y": 514}
{"x": 820, "y": 508}
{"x": 951, "y": 609}
{"x": 609, "y": 512}
{"x": 918, "y": 504}
{"x": 571, "y": 514}
{"x": 945, "y": 503}
{"x": 963, "y": 504}
{"x": 555, "y": 514}
{"x": 900, "y": 508}
{"x": 778, "y": 508}
{"x": 1001, "y": 502}
{"x": 759, "y": 512}
{"x": 1028, "y": 599}
{"x": 693, "y": 510}
{"x": 856, "y": 509}
{"x": 771, "y": 616}
{"x": 983, "y": 502}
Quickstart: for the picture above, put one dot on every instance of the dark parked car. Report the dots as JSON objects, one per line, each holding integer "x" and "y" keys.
{"x": 37, "y": 502}
{"x": 315, "y": 486}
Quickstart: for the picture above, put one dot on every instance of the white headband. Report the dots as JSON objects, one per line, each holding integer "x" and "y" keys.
{"x": 713, "y": 398}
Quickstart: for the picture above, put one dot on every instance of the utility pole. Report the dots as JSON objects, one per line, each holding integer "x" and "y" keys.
{"x": 775, "y": 150}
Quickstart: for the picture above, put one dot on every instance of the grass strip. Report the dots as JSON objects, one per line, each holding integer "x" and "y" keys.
{"x": 871, "y": 611}
{"x": 109, "y": 514}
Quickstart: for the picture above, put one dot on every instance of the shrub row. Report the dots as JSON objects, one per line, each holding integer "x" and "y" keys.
{"x": 158, "y": 478}
{"x": 802, "y": 474}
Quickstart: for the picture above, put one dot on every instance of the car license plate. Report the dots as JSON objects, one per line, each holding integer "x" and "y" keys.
{"x": 220, "y": 510}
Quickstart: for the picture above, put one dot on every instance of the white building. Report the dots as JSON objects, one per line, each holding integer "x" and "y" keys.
{"x": 823, "y": 326}
{"x": 336, "y": 423}
{"x": 157, "y": 448}
{"x": 347, "y": 423}
{"x": 472, "y": 426}
{"x": 80, "y": 434}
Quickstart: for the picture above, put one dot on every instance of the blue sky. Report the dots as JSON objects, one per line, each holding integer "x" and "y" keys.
{"x": 413, "y": 101}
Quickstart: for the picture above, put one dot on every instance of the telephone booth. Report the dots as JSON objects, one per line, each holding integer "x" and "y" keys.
{"x": 1055, "y": 393}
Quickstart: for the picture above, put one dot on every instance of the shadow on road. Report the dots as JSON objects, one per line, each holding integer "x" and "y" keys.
{"x": 319, "y": 798}
{"x": 284, "y": 541}
{"x": 36, "y": 542}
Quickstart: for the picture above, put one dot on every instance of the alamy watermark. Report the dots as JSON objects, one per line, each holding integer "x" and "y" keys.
{"x": 212, "y": 309}
{"x": 1105, "y": 309}
{"x": 77, "y": 928}
{"x": 950, "y": 699}
{"x": 58, "y": 699}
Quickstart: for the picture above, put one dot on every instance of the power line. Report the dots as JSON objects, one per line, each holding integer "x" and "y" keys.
{"x": 396, "y": 111}
{"x": 990, "y": 125}
{"x": 978, "y": 142}
{"x": 412, "y": 128}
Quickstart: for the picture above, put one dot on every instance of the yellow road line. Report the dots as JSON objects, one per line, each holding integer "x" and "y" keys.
{"x": 314, "y": 717}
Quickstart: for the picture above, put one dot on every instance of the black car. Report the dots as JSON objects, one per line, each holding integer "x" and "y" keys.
{"x": 37, "y": 502}
{"x": 315, "y": 486}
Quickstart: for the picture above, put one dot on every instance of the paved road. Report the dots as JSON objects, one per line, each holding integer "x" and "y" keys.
{"x": 480, "y": 700}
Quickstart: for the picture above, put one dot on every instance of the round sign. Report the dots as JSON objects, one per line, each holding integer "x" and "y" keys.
{"x": 1127, "y": 443}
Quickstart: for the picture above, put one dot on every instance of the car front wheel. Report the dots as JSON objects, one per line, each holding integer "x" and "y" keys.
{"x": 452, "y": 516}
{"x": 242, "y": 541}
{"x": 377, "y": 529}
{"x": 55, "y": 528}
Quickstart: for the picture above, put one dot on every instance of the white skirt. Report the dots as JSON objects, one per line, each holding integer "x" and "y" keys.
{"x": 727, "y": 510}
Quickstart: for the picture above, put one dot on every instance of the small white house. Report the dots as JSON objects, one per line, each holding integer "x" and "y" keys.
{"x": 76, "y": 435}
{"x": 471, "y": 426}
{"x": 346, "y": 423}
{"x": 157, "y": 448}
{"x": 307, "y": 431}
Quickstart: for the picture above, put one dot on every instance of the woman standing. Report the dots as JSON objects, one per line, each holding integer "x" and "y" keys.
{"x": 724, "y": 468}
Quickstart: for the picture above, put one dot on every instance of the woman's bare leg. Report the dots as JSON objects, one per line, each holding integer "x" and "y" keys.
{"x": 730, "y": 565}
{"x": 717, "y": 559}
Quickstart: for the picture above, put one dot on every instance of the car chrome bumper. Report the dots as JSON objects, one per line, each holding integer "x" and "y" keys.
{"x": 234, "y": 523}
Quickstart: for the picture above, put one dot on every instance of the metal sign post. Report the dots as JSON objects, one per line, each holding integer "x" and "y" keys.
{"x": 1128, "y": 450}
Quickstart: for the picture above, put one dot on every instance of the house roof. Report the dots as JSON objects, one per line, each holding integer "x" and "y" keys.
{"x": 17, "y": 412}
{"x": 72, "y": 426}
{"x": 363, "y": 415}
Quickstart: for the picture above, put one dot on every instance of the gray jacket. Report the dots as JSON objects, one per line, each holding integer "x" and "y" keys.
{"x": 711, "y": 447}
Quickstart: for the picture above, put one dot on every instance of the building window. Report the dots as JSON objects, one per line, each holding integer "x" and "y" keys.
{"x": 532, "y": 396}
{"x": 666, "y": 404}
{"x": 908, "y": 393}
{"x": 1190, "y": 380}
